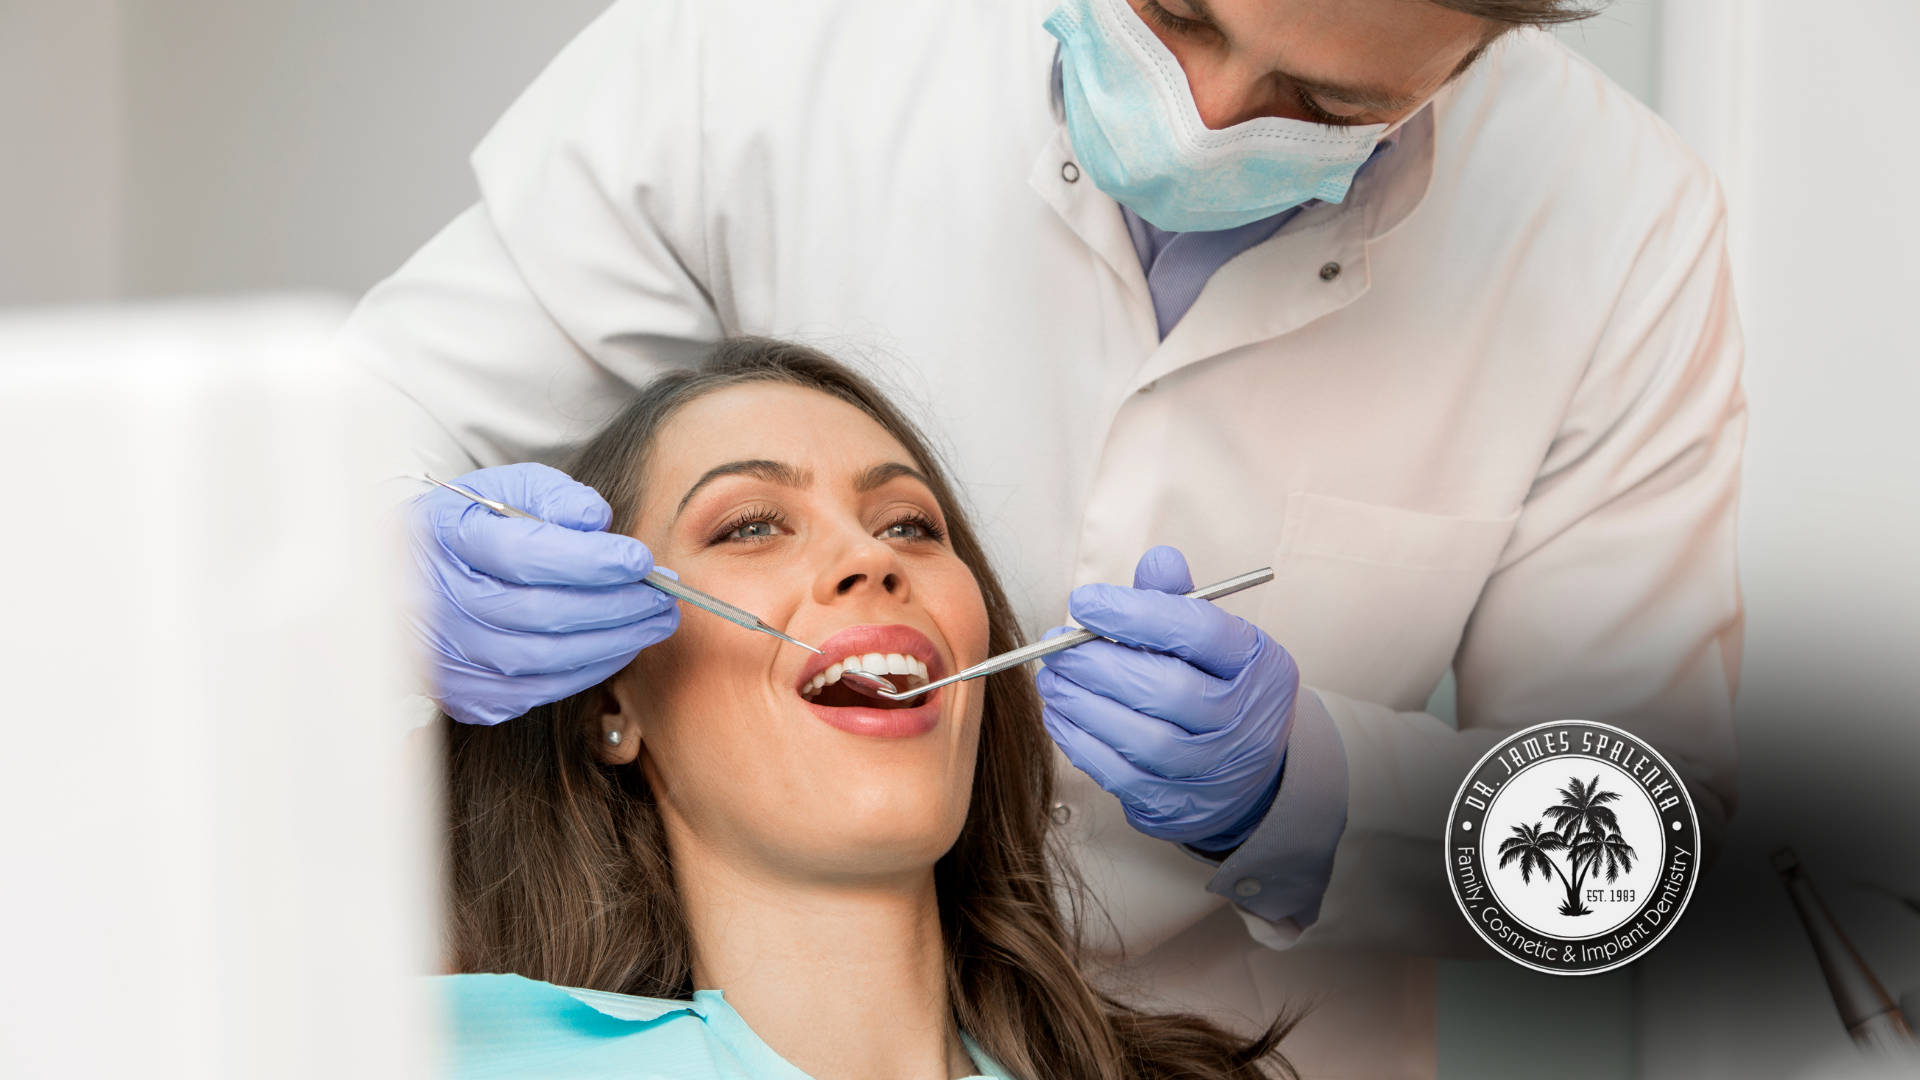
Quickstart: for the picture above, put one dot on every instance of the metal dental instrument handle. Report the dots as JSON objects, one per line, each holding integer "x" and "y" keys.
{"x": 877, "y": 686}
{"x": 656, "y": 579}
{"x": 738, "y": 616}
{"x": 497, "y": 507}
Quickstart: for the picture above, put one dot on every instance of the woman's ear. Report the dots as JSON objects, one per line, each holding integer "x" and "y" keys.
{"x": 619, "y": 738}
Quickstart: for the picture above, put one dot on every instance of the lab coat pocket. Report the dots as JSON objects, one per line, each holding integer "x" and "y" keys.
{"x": 1371, "y": 600}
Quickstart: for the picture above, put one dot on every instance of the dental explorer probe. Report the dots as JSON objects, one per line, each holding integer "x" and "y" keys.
{"x": 872, "y": 685}
{"x": 656, "y": 579}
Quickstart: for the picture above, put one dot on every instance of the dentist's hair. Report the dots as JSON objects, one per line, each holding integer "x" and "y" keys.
{"x": 1505, "y": 16}
{"x": 1511, "y": 14}
{"x": 558, "y": 866}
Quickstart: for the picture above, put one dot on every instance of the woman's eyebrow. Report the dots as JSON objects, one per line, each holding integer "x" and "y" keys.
{"x": 773, "y": 472}
{"x": 892, "y": 470}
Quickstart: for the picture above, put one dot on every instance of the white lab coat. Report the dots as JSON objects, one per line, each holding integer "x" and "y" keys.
{"x": 1504, "y": 436}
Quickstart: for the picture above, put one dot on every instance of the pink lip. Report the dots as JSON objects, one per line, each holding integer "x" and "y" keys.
{"x": 883, "y": 723}
{"x": 860, "y": 640}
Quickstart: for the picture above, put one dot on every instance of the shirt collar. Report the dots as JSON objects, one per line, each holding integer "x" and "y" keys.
{"x": 710, "y": 1005}
{"x": 642, "y": 1009}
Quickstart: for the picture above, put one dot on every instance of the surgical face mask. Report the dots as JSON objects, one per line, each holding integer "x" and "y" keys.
{"x": 1138, "y": 134}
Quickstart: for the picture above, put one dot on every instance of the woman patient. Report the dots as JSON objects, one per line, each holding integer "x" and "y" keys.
{"x": 780, "y": 877}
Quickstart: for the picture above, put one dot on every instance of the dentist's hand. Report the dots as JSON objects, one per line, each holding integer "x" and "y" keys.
{"x": 1187, "y": 721}
{"x": 512, "y": 613}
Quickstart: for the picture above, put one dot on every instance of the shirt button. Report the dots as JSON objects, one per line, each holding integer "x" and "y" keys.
{"x": 1329, "y": 271}
{"x": 1246, "y": 886}
{"x": 1069, "y": 172}
{"x": 1061, "y": 813}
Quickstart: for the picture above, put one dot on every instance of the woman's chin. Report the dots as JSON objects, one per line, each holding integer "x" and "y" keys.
{"x": 872, "y": 852}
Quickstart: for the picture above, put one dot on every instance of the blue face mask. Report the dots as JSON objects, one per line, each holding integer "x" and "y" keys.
{"x": 1138, "y": 134}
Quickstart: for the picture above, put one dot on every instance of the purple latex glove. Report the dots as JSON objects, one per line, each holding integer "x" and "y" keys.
{"x": 1186, "y": 723}
{"x": 517, "y": 613}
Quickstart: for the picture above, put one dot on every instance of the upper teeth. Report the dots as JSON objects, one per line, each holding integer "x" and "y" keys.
{"x": 877, "y": 663}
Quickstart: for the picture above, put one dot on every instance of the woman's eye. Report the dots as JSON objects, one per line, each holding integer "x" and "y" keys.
{"x": 911, "y": 529}
{"x": 753, "y": 530}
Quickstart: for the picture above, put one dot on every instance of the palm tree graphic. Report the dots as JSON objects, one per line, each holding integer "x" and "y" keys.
{"x": 1585, "y": 829}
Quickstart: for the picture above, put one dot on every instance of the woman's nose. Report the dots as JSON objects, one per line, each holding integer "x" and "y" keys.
{"x": 865, "y": 566}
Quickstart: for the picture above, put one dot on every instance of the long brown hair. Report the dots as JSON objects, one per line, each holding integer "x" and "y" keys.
{"x": 558, "y": 863}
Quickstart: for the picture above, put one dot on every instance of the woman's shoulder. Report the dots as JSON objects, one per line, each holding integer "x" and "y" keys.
{"x": 502, "y": 1027}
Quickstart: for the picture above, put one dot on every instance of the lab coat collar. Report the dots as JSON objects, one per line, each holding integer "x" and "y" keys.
{"x": 1272, "y": 289}
{"x": 1278, "y": 286}
{"x": 1095, "y": 218}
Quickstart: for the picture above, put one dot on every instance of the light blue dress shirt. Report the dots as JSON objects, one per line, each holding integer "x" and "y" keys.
{"x": 504, "y": 1027}
{"x": 1179, "y": 264}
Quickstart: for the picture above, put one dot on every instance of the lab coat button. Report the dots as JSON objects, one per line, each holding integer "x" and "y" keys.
{"x": 1246, "y": 886}
{"x": 1069, "y": 172}
{"x": 1329, "y": 271}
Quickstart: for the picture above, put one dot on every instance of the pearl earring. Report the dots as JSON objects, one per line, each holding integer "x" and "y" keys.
{"x": 613, "y": 738}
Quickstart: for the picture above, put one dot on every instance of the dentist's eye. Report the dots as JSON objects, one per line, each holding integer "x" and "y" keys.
{"x": 1322, "y": 114}
{"x": 1172, "y": 23}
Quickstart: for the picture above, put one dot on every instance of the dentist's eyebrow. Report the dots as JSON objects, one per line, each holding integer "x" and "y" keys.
{"x": 892, "y": 470}
{"x": 773, "y": 472}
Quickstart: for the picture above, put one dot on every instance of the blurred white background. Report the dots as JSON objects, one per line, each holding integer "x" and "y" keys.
{"x": 153, "y": 148}
{"x": 212, "y": 862}
{"x": 160, "y": 147}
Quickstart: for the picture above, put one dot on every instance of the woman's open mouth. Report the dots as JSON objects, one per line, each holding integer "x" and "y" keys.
{"x": 906, "y": 658}
{"x": 904, "y": 671}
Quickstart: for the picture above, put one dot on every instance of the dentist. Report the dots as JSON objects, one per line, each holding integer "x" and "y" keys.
{"x": 1398, "y": 296}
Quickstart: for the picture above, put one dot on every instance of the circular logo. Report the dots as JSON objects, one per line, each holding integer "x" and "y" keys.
{"x": 1572, "y": 847}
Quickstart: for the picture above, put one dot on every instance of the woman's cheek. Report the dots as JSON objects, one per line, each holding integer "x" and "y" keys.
{"x": 962, "y": 615}
{"x": 669, "y": 683}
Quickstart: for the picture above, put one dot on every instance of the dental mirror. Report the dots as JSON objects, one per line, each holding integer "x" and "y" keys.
{"x": 878, "y": 685}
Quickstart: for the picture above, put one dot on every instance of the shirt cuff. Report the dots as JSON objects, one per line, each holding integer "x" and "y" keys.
{"x": 1282, "y": 870}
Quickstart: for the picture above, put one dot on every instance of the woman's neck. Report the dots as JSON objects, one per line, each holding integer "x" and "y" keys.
{"x": 845, "y": 980}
